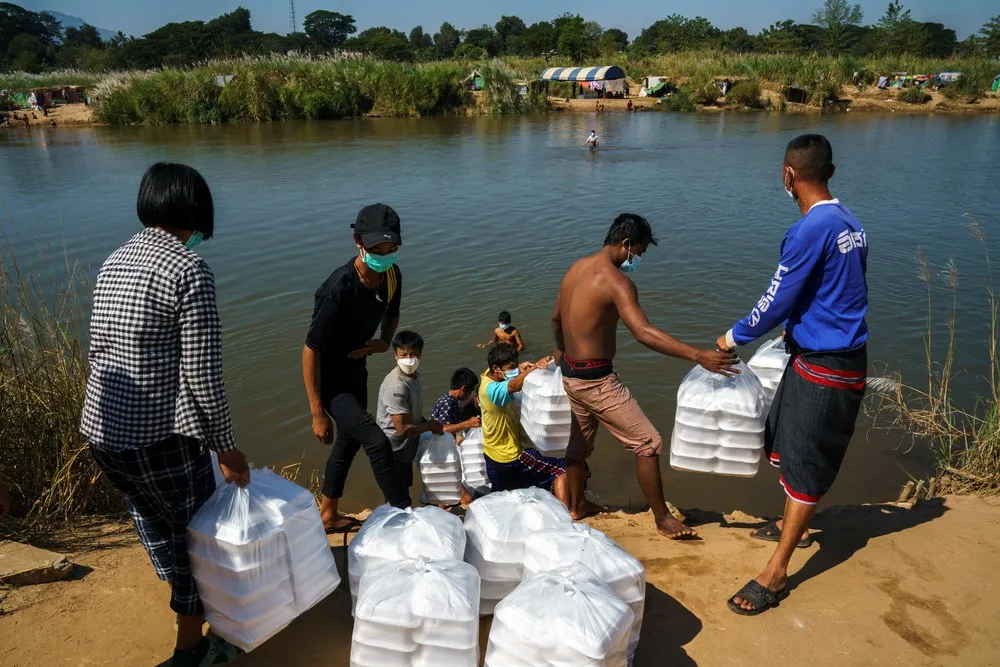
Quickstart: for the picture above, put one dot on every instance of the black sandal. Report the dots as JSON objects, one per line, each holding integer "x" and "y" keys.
{"x": 770, "y": 532}
{"x": 351, "y": 526}
{"x": 759, "y": 596}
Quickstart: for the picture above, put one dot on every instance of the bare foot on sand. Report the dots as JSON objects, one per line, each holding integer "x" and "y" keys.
{"x": 340, "y": 522}
{"x": 673, "y": 529}
{"x": 587, "y": 509}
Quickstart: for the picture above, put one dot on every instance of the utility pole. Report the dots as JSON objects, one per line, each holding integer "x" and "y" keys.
{"x": 292, "y": 24}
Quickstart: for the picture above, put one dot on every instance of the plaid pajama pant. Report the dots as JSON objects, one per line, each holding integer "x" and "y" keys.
{"x": 164, "y": 485}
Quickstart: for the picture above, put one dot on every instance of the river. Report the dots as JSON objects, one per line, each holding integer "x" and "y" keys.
{"x": 494, "y": 210}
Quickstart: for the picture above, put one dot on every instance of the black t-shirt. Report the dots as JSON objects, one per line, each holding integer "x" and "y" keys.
{"x": 346, "y": 315}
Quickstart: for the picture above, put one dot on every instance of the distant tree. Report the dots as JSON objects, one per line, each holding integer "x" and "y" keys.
{"x": 84, "y": 37}
{"x": 897, "y": 33}
{"x": 236, "y": 22}
{"x": 509, "y": 29}
{"x": 577, "y": 42}
{"x": 836, "y": 17}
{"x": 942, "y": 42}
{"x": 329, "y": 30}
{"x": 614, "y": 41}
{"x": 467, "y": 51}
{"x": 781, "y": 37}
{"x": 446, "y": 40}
{"x": 26, "y": 53}
{"x": 677, "y": 33}
{"x": 737, "y": 40}
{"x": 384, "y": 43}
{"x": 421, "y": 44}
{"x": 540, "y": 39}
{"x": 990, "y": 34}
{"x": 485, "y": 38}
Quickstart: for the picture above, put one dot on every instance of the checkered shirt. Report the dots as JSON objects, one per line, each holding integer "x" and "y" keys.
{"x": 155, "y": 349}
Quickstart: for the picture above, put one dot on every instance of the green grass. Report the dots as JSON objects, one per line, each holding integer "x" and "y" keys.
{"x": 43, "y": 375}
{"x": 914, "y": 95}
{"x": 54, "y": 79}
{"x": 745, "y": 95}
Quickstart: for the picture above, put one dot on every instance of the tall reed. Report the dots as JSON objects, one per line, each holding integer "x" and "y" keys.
{"x": 965, "y": 438}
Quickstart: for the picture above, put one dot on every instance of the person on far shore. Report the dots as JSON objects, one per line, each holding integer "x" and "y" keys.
{"x": 448, "y": 409}
{"x": 509, "y": 465}
{"x": 594, "y": 296}
{"x": 505, "y": 332}
{"x": 155, "y": 404}
{"x": 819, "y": 294}
{"x": 399, "y": 412}
{"x": 356, "y": 300}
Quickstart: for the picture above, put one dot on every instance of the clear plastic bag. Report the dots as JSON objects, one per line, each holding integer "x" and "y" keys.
{"x": 562, "y": 617}
{"x": 769, "y": 365}
{"x": 720, "y": 423}
{"x": 545, "y": 411}
{"x": 416, "y": 612}
{"x": 612, "y": 565}
{"x": 440, "y": 467}
{"x": 497, "y": 526}
{"x": 392, "y": 535}
{"x": 260, "y": 557}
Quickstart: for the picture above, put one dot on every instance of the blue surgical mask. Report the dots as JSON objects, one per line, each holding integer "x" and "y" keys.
{"x": 379, "y": 263}
{"x": 512, "y": 373}
{"x": 630, "y": 264}
{"x": 194, "y": 240}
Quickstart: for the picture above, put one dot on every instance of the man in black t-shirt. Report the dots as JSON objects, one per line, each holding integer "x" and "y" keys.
{"x": 354, "y": 302}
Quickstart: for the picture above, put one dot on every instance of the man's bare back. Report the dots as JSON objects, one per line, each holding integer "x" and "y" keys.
{"x": 587, "y": 307}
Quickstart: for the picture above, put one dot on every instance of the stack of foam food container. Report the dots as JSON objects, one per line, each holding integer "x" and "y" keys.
{"x": 440, "y": 468}
{"x": 769, "y": 365}
{"x": 260, "y": 558}
{"x": 391, "y": 535}
{"x": 497, "y": 526}
{"x": 561, "y": 618}
{"x": 612, "y": 565}
{"x": 417, "y": 613}
{"x": 545, "y": 411}
{"x": 720, "y": 423}
{"x": 474, "y": 462}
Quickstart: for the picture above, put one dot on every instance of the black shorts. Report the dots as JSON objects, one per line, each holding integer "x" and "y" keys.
{"x": 812, "y": 420}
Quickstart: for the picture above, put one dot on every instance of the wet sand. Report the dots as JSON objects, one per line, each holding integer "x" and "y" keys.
{"x": 882, "y": 585}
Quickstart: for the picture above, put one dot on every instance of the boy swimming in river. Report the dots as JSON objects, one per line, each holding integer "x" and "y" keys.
{"x": 505, "y": 333}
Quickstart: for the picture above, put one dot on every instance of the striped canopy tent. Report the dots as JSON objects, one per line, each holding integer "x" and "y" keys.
{"x": 577, "y": 74}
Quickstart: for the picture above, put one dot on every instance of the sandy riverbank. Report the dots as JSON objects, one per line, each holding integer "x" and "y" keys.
{"x": 883, "y": 585}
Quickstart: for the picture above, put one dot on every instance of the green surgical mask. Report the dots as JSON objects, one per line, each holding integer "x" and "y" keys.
{"x": 379, "y": 263}
{"x": 194, "y": 240}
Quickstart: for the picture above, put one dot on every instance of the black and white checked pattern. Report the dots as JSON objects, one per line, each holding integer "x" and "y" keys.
{"x": 155, "y": 349}
{"x": 164, "y": 485}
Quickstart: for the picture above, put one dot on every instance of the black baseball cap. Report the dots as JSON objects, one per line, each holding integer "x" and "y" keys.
{"x": 376, "y": 224}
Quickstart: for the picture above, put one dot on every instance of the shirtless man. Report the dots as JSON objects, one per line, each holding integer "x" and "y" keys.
{"x": 595, "y": 294}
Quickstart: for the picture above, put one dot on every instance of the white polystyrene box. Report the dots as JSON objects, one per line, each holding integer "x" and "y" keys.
{"x": 440, "y": 466}
{"x": 498, "y": 524}
{"x": 769, "y": 365}
{"x": 393, "y": 535}
{"x": 416, "y": 612}
{"x": 565, "y": 616}
{"x": 720, "y": 421}
{"x": 620, "y": 570}
{"x": 474, "y": 460}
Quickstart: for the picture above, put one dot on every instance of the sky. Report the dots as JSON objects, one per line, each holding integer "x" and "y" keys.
{"x": 137, "y": 17}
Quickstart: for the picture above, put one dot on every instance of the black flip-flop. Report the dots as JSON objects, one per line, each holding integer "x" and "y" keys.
{"x": 770, "y": 532}
{"x": 351, "y": 526}
{"x": 759, "y": 596}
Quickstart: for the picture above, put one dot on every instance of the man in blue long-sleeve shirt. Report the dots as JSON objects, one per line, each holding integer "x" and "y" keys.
{"x": 820, "y": 295}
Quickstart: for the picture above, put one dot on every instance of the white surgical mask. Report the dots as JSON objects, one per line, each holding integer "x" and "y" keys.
{"x": 512, "y": 373}
{"x": 408, "y": 366}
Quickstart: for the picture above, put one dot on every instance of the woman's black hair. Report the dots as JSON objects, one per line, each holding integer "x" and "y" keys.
{"x": 501, "y": 355}
{"x": 175, "y": 196}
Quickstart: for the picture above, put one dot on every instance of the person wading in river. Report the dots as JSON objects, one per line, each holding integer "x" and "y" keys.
{"x": 595, "y": 294}
{"x": 155, "y": 402}
{"x": 355, "y": 301}
{"x": 820, "y": 294}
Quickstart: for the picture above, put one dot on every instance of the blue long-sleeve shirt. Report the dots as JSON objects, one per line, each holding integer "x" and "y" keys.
{"x": 819, "y": 291}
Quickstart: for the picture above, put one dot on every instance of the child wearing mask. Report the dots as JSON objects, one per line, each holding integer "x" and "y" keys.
{"x": 448, "y": 409}
{"x": 505, "y": 333}
{"x": 400, "y": 405}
